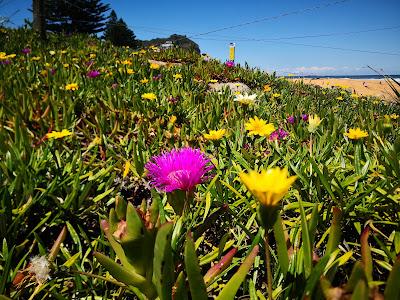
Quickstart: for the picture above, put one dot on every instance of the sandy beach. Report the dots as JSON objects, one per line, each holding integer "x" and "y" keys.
{"x": 378, "y": 88}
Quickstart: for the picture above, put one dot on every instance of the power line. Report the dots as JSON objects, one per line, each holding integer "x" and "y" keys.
{"x": 295, "y": 12}
{"x": 273, "y": 17}
{"x": 196, "y": 35}
{"x": 279, "y": 40}
{"x": 246, "y": 39}
{"x": 336, "y": 48}
{"x": 241, "y": 38}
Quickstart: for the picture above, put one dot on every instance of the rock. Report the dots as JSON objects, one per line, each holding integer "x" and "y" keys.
{"x": 164, "y": 63}
{"x": 233, "y": 86}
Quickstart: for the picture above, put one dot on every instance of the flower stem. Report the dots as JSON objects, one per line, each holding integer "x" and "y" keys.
{"x": 311, "y": 151}
{"x": 268, "y": 262}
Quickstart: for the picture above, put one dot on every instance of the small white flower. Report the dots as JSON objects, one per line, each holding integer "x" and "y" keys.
{"x": 39, "y": 268}
{"x": 246, "y": 98}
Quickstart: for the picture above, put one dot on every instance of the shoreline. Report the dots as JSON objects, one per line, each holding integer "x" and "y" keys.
{"x": 363, "y": 87}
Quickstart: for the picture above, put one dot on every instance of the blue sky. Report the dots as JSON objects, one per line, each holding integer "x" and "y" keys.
{"x": 276, "y": 44}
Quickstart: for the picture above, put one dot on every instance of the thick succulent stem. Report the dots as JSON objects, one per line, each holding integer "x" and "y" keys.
{"x": 268, "y": 263}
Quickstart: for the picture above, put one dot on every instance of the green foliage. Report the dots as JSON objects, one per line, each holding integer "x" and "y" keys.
{"x": 118, "y": 33}
{"x": 79, "y": 16}
{"x": 343, "y": 185}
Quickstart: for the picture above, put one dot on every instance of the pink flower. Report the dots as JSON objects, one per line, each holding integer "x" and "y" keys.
{"x": 26, "y": 50}
{"x": 89, "y": 63}
{"x": 179, "y": 169}
{"x": 158, "y": 77}
{"x": 93, "y": 74}
{"x": 230, "y": 64}
{"x": 290, "y": 119}
{"x": 278, "y": 134}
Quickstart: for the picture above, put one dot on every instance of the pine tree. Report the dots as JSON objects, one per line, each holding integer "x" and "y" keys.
{"x": 76, "y": 16}
{"x": 118, "y": 33}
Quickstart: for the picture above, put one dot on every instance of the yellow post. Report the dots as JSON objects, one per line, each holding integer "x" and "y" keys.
{"x": 232, "y": 51}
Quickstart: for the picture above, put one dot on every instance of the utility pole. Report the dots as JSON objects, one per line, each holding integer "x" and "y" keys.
{"x": 232, "y": 52}
{"x": 39, "y": 22}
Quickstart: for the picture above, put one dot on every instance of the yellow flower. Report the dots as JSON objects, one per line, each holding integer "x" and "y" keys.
{"x": 354, "y": 96}
{"x": 66, "y": 65}
{"x": 154, "y": 66}
{"x": 75, "y": 59}
{"x": 126, "y": 168}
{"x": 172, "y": 120}
{"x": 96, "y": 141}
{"x": 43, "y": 72}
{"x": 356, "y": 134}
{"x": 313, "y": 123}
{"x": 71, "y": 87}
{"x": 126, "y": 62}
{"x": 213, "y": 81}
{"x": 142, "y": 51}
{"x": 4, "y": 55}
{"x": 130, "y": 71}
{"x": 92, "y": 55}
{"x": 52, "y": 52}
{"x": 149, "y": 96}
{"x": 178, "y": 76}
{"x": 340, "y": 98}
{"x": 215, "y": 135}
{"x": 47, "y": 65}
{"x": 276, "y": 95}
{"x": 269, "y": 186}
{"x": 267, "y": 88}
{"x": 35, "y": 58}
{"x": 144, "y": 80}
{"x": 58, "y": 135}
{"x": 63, "y": 51}
{"x": 260, "y": 127}
{"x": 394, "y": 116}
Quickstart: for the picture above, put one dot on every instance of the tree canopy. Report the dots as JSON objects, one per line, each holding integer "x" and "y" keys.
{"x": 78, "y": 16}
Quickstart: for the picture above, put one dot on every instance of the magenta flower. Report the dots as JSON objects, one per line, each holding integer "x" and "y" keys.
{"x": 179, "y": 169}
{"x": 93, "y": 74}
{"x": 304, "y": 117}
{"x": 290, "y": 119}
{"x": 26, "y": 50}
{"x": 173, "y": 100}
{"x": 230, "y": 64}
{"x": 158, "y": 77}
{"x": 89, "y": 63}
{"x": 278, "y": 134}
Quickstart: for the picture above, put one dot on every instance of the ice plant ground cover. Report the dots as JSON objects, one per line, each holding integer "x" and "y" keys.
{"x": 86, "y": 130}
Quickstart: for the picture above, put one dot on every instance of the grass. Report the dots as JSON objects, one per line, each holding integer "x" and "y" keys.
{"x": 47, "y": 184}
